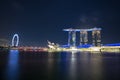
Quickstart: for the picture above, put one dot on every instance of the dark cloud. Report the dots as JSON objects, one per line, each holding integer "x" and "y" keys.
{"x": 17, "y": 5}
{"x": 89, "y": 20}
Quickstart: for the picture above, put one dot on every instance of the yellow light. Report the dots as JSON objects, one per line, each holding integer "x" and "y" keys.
{"x": 95, "y": 48}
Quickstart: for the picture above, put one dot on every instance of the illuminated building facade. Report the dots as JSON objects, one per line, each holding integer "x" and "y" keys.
{"x": 96, "y": 36}
{"x": 83, "y": 37}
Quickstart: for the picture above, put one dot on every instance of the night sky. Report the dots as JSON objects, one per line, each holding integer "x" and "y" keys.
{"x": 36, "y": 21}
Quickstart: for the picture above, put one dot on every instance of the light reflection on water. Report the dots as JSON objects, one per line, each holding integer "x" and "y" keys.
{"x": 12, "y": 71}
{"x": 91, "y": 65}
{"x": 62, "y": 66}
{"x": 75, "y": 66}
{"x": 72, "y": 68}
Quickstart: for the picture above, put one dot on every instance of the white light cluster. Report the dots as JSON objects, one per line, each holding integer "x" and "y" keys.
{"x": 13, "y": 40}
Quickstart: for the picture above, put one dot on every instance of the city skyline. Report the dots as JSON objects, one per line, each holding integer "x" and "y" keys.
{"x": 38, "y": 21}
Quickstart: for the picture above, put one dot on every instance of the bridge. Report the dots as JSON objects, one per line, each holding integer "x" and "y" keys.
{"x": 30, "y": 48}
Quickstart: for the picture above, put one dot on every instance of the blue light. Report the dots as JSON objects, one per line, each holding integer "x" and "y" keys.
{"x": 12, "y": 69}
{"x": 115, "y": 44}
{"x": 84, "y": 46}
{"x": 65, "y": 46}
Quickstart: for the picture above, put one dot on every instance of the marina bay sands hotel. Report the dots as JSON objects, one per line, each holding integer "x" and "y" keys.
{"x": 96, "y": 36}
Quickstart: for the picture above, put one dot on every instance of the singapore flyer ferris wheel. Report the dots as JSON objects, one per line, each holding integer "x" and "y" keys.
{"x": 15, "y": 40}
